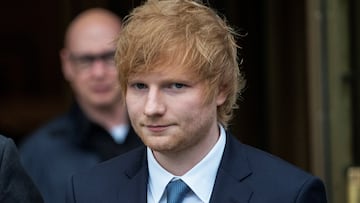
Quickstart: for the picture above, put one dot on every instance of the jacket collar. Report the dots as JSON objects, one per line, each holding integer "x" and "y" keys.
{"x": 230, "y": 185}
{"x": 137, "y": 176}
{"x": 83, "y": 127}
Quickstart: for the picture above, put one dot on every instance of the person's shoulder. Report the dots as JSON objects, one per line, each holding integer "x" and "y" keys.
{"x": 271, "y": 176}
{"x": 260, "y": 159}
{"x": 8, "y": 152}
{"x": 53, "y": 127}
{"x": 113, "y": 171}
{"x": 8, "y": 149}
{"x": 51, "y": 136}
{"x": 274, "y": 176}
{"x": 4, "y": 140}
{"x": 6, "y": 144}
{"x": 19, "y": 187}
{"x": 268, "y": 168}
{"x": 129, "y": 160}
{"x": 106, "y": 180}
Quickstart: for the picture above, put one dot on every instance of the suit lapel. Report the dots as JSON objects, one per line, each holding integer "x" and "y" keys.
{"x": 230, "y": 185}
{"x": 137, "y": 176}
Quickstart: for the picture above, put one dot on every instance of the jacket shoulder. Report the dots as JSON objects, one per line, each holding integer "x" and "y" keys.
{"x": 123, "y": 165}
{"x": 270, "y": 178}
{"x": 105, "y": 181}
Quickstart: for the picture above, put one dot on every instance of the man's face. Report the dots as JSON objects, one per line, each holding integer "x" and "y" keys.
{"x": 89, "y": 66}
{"x": 167, "y": 110}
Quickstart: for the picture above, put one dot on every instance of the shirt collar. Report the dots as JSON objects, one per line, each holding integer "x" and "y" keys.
{"x": 158, "y": 173}
{"x": 119, "y": 133}
{"x": 200, "y": 178}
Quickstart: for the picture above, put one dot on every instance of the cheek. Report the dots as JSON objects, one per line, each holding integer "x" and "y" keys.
{"x": 133, "y": 105}
{"x": 113, "y": 75}
{"x": 132, "y": 114}
{"x": 80, "y": 77}
{"x": 80, "y": 81}
{"x": 191, "y": 102}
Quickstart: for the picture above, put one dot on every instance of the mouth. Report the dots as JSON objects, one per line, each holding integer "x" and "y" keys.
{"x": 101, "y": 89}
{"x": 157, "y": 128}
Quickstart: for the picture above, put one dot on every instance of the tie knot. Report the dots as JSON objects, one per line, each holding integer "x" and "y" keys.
{"x": 176, "y": 191}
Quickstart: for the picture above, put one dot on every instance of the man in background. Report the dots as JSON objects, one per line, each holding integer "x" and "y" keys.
{"x": 96, "y": 127}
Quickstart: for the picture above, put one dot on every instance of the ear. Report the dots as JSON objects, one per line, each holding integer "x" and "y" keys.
{"x": 221, "y": 96}
{"x": 66, "y": 65}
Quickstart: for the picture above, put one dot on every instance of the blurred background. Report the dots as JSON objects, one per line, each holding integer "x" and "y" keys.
{"x": 301, "y": 62}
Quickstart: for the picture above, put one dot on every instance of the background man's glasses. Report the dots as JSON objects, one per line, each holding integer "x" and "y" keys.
{"x": 87, "y": 60}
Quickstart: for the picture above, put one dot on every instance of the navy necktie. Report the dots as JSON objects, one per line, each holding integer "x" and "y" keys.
{"x": 176, "y": 191}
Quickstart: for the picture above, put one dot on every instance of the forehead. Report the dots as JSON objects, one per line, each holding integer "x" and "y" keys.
{"x": 91, "y": 40}
{"x": 170, "y": 71}
{"x": 92, "y": 36}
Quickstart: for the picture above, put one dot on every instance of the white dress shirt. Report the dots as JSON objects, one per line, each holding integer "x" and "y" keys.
{"x": 119, "y": 133}
{"x": 200, "y": 178}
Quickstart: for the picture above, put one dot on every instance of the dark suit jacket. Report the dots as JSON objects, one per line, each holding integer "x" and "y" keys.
{"x": 15, "y": 184}
{"x": 245, "y": 174}
{"x": 66, "y": 145}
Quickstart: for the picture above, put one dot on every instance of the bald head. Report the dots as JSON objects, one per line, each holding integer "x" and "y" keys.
{"x": 97, "y": 25}
{"x": 87, "y": 59}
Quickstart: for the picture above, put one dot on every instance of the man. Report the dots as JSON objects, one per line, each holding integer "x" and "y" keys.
{"x": 15, "y": 184}
{"x": 180, "y": 79}
{"x": 96, "y": 128}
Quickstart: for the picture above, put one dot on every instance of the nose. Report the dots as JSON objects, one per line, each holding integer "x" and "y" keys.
{"x": 98, "y": 68}
{"x": 154, "y": 105}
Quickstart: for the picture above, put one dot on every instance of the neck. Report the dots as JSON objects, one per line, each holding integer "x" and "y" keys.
{"x": 180, "y": 162}
{"x": 108, "y": 117}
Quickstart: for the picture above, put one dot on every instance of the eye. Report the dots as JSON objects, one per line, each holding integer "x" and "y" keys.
{"x": 139, "y": 86}
{"x": 177, "y": 86}
{"x": 82, "y": 61}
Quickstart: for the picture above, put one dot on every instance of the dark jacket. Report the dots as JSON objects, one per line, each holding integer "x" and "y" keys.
{"x": 66, "y": 145}
{"x": 245, "y": 174}
{"x": 15, "y": 185}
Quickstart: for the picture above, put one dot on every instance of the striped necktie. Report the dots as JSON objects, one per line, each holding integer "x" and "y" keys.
{"x": 176, "y": 191}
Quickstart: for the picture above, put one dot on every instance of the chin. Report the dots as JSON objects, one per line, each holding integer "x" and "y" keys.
{"x": 104, "y": 100}
{"x": 160, "y": 145}
{"x": 160, "y": 148}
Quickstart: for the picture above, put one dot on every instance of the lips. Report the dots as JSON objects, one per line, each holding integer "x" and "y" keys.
{"x": 101, "y": 89}
{"x": 156, "y": 127}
